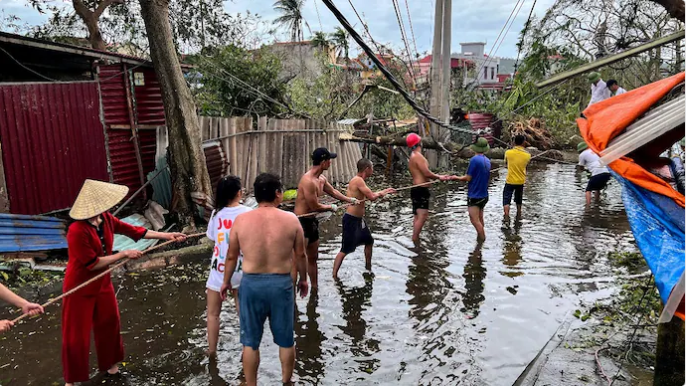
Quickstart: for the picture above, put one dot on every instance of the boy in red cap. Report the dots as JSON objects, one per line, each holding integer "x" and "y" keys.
{"x": 421, "y": 175}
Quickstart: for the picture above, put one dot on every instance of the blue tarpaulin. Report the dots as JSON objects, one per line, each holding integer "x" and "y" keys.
{"x": 658, "y": 226}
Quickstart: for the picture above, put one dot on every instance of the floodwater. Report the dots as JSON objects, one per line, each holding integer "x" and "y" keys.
{"x": 451, "y": 312}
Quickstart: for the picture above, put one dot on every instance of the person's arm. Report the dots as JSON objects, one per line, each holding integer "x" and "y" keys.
{"x": 470, "y": 171}
{"x": 331, "y": 191}
{"x": 424, "y": 169}
{"x": 373, "y": 196}
{"x": 309, "y": 190}
{"x": 105, "y": 261}
{"x": 300, "y": 259}
{"x": 231, "y": 258}
{"x": 582, "y": 163}
{"x": 170, "y": 236}
{"x": 17, "y": 301}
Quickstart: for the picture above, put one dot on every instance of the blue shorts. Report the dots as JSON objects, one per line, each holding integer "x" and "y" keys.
{"x": 262, "y": 296}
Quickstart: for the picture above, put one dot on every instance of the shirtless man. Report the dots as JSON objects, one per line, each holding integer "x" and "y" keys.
{"x": 266, "y": 287}
{"x": 312, "y": 185}
{"x": 355, "y": 229}
{"x": 419, "y": 169}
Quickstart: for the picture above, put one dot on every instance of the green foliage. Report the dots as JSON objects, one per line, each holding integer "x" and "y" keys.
{"x": 291, "y": 17}
{"x": 218, "y": 93}
{"x": 329, "y": 95}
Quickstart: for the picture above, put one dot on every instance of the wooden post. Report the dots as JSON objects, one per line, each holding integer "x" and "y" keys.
{"x": 232, "y": 146}
{"x": 669, "y": 358}
{"x": 132, "y": 123}
{"x": 4, "y": 196}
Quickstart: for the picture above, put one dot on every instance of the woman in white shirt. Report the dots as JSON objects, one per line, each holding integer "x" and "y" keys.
{"x": 227, "y": 202}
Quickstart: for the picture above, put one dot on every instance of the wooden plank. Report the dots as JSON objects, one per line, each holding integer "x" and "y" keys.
{"x": 302, "y": 138}
{"x": 262, "y": 125}
{"x": 232, "y": 147}
{"x": 224, "y": 130}
{"x": 278, "y": 149}
{"x": 254, "y": 154}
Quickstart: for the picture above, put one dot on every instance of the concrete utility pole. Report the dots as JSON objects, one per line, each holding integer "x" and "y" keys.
{"x": 440, "y": 78}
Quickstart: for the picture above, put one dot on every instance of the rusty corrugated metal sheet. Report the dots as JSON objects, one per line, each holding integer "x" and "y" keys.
{"x": 148, "y": 112}
{"x": 480, "y": 121}
{"x": 21, "y": 233}
{"x": 215, "y": 159}
{"x": 52, "y": 140}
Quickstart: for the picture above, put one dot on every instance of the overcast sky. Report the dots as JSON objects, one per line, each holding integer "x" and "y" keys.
{"x": 471, "y": 20}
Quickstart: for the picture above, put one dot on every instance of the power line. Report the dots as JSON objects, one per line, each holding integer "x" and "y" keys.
{"x": 403, "y": 36}
{"x": 526, "y": 28}
{"x": 366, "y": 28}
{"x": 409, "y": 19}
{"x": 22, "y": 65}
{"x": 344, "y": 22}
{"x": 478, "y": 73}
{"x": 318, "y": 18}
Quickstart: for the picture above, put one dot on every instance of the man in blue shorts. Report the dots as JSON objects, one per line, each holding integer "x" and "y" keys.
{"x": 266, "y": 287}
{"x": 478, "y": 175}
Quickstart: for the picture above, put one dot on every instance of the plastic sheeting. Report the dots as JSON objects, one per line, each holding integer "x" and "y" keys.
{"x": 658, "y": 226}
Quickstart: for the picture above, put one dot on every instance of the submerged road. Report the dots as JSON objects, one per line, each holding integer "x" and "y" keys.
{"x": 449, "y": 312}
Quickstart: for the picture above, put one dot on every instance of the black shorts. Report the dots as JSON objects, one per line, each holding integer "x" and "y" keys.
{"x": 598, "y": 182}
{"x": 480, "y": 202}
{"x": 355, "y": 233}
{"x": 509, "y": 189}
{"x": 310, "y": 228}
{"x": 420, "y": 198}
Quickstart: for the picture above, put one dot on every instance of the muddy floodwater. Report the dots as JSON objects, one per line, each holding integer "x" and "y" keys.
{"x": 450, "y": 312}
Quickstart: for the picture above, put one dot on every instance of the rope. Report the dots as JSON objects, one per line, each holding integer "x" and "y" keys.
{"x": 101, "y": 274}
{"x": 365, "y": 26}
{"x": 408, "y": 187}
{"x": 318, "y": 18}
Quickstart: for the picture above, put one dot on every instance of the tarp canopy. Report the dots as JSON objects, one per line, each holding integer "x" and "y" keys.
{"x": 654, "y": 208}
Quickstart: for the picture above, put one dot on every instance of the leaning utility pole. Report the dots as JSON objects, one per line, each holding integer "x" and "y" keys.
{"x": 440, "y": 79}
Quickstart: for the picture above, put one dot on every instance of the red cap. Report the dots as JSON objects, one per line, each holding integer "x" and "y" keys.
{"x": 413, "y": 140}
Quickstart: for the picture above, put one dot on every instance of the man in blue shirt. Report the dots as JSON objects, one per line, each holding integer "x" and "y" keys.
{"x": 478, "y": 175}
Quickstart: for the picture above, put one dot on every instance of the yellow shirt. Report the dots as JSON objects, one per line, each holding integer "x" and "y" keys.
{"x": 516, "y": 159}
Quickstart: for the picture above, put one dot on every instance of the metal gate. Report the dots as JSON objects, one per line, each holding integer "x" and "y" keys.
{"x": 52, "y": 140}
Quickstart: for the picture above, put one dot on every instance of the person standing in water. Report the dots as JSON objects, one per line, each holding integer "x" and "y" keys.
{"x": 355, "y": 229}
{"x": 516, "y": 160}
{"x": 27, "y": 307}
{"x": 477, "y": 177}
{"x": 270, "y": 240}
{"x": 227, "y": 202}
{"x": 312, "y": 185}
{"x": 600, "y": 174}
{"x": 421, "y": 175}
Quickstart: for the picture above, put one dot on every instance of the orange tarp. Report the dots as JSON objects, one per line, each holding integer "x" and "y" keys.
{"x": 607, "y": 119}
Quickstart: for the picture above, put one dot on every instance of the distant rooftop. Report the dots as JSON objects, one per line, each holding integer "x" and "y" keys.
{"x": 472, "y": 43}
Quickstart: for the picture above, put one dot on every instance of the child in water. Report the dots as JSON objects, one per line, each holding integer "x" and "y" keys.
{"x": 227, "y": 202}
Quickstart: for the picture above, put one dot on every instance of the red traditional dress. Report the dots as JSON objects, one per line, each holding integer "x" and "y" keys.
{"x": 95, "y": 306}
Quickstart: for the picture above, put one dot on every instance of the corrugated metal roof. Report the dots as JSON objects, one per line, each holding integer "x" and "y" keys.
{"x": 21, "y": 233}
{"x": 122, "y": 243}
{"x": 52, "y": 140}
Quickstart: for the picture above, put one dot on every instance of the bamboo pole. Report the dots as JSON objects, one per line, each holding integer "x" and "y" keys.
{"x": 607, "y": 60}
{"x": 103, "y": 273}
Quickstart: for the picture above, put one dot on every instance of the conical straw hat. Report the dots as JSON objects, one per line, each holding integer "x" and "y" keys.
{"x": 96, "y": 197}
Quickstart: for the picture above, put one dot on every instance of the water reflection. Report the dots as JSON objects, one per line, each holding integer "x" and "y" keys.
{"x": 354, "y": 301}
{"x": 512, "y": 246}
{"x": 474, "y": 275}
{"x": 308, "y": 342}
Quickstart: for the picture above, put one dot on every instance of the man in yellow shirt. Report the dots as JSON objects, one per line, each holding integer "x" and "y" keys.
{"x": 516, "y": 160}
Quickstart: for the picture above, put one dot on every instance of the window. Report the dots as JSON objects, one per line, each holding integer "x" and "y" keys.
{"x": 485, "y": 72}
{"x": 492, "y": 72}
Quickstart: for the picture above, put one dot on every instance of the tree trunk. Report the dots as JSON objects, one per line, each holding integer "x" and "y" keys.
{"x": 187, "y": 160}
{"x": 674, "y": 7}
{"x": 90, "y": 19}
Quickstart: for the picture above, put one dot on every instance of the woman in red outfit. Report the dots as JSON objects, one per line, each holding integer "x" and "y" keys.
{"x": 94, "y": 308}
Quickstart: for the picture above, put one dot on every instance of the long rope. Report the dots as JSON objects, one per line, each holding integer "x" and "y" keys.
{"x": 409, "y": 20}
{"x": 524, "y": 32}
{"x": 403, "y": 36}
{"x": 408, "y": 187}
{"x": 103, "y": 273}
